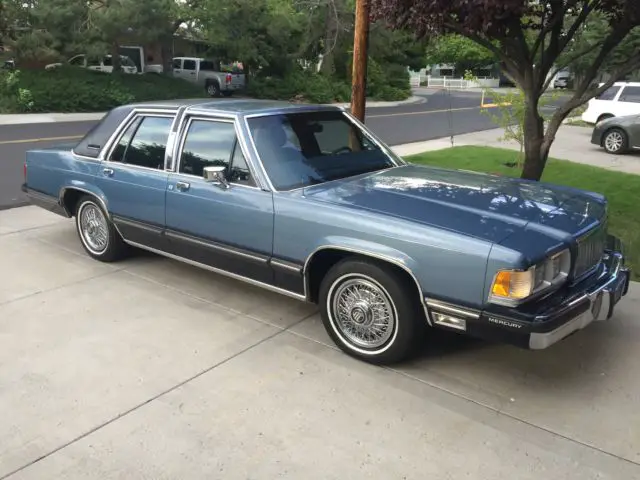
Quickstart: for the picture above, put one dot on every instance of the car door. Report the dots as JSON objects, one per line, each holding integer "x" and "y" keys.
{"x": 177, "y": 67}
{"x": 634, "y": 132}
{"x": 604, "y": 104}
{"x": 134, "y": 180}
{"x": 229, "y": 227}
{"x": 189, "y": 71}
{"x": 629, "y": 101}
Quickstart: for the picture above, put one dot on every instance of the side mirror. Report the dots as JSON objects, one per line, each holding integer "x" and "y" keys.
{"x": 215, "y": 174}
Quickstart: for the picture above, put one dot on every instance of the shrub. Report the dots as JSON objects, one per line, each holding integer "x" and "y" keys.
{"x": 389, "y": 83}
{"x": 69, "y": 89}
{"x": 300, "y": 86}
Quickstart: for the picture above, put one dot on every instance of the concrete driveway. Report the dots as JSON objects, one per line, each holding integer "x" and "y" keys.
{"x": 153, "y": 369}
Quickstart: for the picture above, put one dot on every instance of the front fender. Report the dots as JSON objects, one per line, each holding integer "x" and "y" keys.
{"x": 363, "y": 247}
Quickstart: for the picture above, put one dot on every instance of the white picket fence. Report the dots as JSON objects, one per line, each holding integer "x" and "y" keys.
{"x": 461, "y": 83}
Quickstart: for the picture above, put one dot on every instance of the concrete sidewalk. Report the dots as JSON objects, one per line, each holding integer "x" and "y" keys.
{"x": 27, "y": 118}
{"x": 150, "y": 368}
{"x": 572, "y": 143}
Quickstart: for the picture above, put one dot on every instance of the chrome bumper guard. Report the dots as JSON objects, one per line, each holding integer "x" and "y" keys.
{"x": 609, "y": 288}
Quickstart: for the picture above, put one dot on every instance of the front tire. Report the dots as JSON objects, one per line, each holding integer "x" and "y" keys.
{"x": 371, "y": 311}
{"x": 98, "y": 235}
{"x": 615, "y": 141}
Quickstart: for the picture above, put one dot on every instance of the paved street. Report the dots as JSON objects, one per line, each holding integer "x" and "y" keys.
{"x": 153, "y": 369}
{"x": 396, "y": 125}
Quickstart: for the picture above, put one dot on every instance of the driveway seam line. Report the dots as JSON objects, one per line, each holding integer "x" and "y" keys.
{"x": 58, "y": 287}
{"x": 152, "y": 399}
{"x": 212, "y": 302}
{"x": 511, "y": 416}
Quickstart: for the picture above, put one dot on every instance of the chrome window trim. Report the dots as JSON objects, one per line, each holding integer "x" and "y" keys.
{"x": 125, "y": 123}
{"x": 366, "y": 253}
{"x": 114, "y": 142}
{"x": 182, "y": 136}
{"x": 255, "y": 150}
{"x": 394, "y": 158}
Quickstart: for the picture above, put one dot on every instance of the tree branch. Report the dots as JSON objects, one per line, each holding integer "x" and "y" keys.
{"x": 510, "y": 64}
{"x": 562, "y": 65}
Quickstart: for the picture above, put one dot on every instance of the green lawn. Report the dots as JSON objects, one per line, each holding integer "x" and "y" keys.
{"x": 622, "y": 190}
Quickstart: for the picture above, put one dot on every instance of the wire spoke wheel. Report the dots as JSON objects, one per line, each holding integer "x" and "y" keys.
{"x": 363, "y": 312}
{"x": 94, "y": 228}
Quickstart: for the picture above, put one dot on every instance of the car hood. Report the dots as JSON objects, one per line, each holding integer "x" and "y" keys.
{"x": 489, "y": 207}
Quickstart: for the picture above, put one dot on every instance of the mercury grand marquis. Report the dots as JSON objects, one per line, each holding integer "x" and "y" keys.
{"x": 306, "y": 201}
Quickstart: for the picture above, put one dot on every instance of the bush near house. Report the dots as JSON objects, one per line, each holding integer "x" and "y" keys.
{"x": 390, "y": 83}
{"x": 69, "y": 89}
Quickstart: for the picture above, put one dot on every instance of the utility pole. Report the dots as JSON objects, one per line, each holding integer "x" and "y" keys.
{"x": 359, "y": 72}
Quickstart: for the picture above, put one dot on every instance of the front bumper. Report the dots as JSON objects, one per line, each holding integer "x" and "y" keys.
{"x": 545, "y": 322}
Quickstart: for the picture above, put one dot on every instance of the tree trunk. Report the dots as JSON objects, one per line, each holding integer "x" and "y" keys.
{"x": 536, "y": 150}
{"x": 115, "y": 57}
{"x": 328, "y": 65}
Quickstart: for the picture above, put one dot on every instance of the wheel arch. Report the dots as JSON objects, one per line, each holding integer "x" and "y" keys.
{"x": 604, "y": 116}
{"x": 70, "y": 195}
{"x": 324, "y": 257}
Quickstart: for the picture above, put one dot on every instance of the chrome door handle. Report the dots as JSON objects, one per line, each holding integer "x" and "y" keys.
{"x": 108, "y": 172}
{"x": 183, "y": 186}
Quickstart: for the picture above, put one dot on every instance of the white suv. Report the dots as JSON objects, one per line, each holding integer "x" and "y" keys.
{"x": 622, "y": 99}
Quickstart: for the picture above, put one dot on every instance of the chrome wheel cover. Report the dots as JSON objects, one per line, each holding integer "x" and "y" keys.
{"x": 362, "y": 312}
{"x": 93, "y": 227}
{"x": 614, "y": 141}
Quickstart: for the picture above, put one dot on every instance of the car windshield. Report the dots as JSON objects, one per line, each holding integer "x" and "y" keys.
{"x": 308, "y": 148}
{"x": 127, "y": 62}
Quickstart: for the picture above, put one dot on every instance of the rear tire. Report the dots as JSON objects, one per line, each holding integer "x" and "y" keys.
{"x": 98, "y": 235}
{"x": 371, "y": 311}
{"x": 213, "y": 89}
{"x": 615, "y": 141}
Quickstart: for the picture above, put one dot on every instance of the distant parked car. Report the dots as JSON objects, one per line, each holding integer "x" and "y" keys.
{"x": 563, "y": 80}
{"x": 99, "y": 65}
{"x": 209, "y": 75}
{"x": 622, "y": 99}
{"x": 305, "y": 201}
{"x": 618, "y": 135}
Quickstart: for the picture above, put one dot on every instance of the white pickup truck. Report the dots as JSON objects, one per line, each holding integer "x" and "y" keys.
{"x": 208, "y": 74}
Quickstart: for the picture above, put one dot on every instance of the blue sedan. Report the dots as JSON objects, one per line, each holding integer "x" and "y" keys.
{"x": 305, "y": 201}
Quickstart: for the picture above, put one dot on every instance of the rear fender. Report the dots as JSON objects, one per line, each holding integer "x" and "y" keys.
{"x": 83, "y": 187}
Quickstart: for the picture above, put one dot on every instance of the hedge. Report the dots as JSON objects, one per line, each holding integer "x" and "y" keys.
{"x": 72, "y": 89}
{"x": 388, "y": 83}
{"x": 69, "y": 89}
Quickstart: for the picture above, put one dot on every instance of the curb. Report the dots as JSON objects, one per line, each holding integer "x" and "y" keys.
{"x": 413, "y": 100}
{"x": 29, "y": 118}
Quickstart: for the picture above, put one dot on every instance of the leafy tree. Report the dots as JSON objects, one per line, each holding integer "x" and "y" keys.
{"x": 464, "y": 53}
{"x": 529, "y": 37}
{"x": 95, "y": 27}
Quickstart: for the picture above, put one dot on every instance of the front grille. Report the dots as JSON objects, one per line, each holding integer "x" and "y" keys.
{"x": 590, "y": 250}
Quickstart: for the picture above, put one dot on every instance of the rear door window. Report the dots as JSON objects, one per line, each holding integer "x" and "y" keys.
{"x": 609, "y": 94}
{"x": 144, "y": 143}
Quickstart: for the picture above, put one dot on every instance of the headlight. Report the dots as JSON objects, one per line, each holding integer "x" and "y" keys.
{"x": 511, "y": 287}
